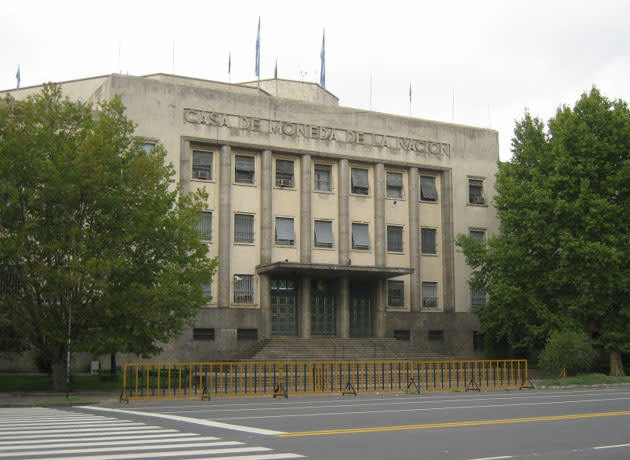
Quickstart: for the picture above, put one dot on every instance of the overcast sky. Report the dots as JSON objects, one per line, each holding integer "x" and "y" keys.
{"x": 480, "y": 63}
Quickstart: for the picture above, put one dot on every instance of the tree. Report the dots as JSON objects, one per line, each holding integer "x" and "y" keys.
{"x": 568, "y": 351}
{"x": 98, "y": 248}
{"x": 562, "y": 260}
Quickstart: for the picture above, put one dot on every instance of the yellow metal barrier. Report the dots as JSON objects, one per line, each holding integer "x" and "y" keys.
{"x": 208, "y": 380}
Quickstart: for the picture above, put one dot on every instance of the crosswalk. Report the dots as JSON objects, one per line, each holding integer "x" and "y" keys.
{"x": 45, "y": 433}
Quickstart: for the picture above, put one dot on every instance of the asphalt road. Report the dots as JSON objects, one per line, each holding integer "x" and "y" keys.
{"x": 589, "y": 423}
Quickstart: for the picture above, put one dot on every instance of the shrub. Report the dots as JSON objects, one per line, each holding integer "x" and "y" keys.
{"x": 569, "y": 350}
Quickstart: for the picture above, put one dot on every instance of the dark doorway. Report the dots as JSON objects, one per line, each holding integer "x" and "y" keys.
{"x": 283, "y": 308}
{"x": 323, "y": 308}
{"x": 361, "y": 310}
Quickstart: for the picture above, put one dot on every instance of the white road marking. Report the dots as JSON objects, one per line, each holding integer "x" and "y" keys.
{"x": 210, "y": 423}
{"x": 142, "y": 428}
{"x": 149, "y": 430}
{"x": 23, "y": 440}
{"x": 260, "y": 457}
{"x": 492, "y": 458}
{"x": 616, "y": 446}
{"x": 84, "y": 442}
{"x": 229, "y": 450}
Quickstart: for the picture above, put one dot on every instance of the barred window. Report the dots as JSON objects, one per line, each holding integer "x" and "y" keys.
{"x": 394, "y": 185}
{"x": 284, "y": 173}
{"x": 428, "y": 191}
{"x": 478, "y": 297}
{"x": 475, "y": 191}
{"x": 247, "y": 334}
{"x": 285, "y": 234}
{"x": 323, "y": 234}
{"x": 359, "y": 181}
{"x": 436, "y": 336}
{"x": 428, "y": 241}
{"x": 206, "y": 289}
{"x": 243, "y": 288}
{"x": 243, "y": 228}
{"x": 244, "y": 169}
{"x": 360, "y": 236}
{"x": 429, "y": 294}
{"x": 204, "y": 226}
{"x": 203, "y": 333}
{"x": 202, "y": 165}
{"x": 394, "y": 238}
{"x": 395, "y": 293}
{"x": 323, "y": 176}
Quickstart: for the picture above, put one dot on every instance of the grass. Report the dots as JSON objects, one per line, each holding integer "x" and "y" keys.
{"x": 27, "y": 383}
{"x": 69, "y": 399}
{"x": 584, "y": 379}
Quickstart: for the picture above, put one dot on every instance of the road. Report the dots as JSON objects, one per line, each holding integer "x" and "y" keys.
{"x": 591, "y": 423}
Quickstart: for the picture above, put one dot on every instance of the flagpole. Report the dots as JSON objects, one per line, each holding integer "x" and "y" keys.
{"x": 258, "y": 53}
{"x": 409, "y": 99}
{"x": 322, "y": 55}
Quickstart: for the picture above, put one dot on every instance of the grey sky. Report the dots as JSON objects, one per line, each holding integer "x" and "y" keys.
{"x": 478, "y": 63}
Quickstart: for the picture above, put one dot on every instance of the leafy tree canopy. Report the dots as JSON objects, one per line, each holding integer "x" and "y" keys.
{"x": 94, "y": 236}
{"x": 562, "y": 260}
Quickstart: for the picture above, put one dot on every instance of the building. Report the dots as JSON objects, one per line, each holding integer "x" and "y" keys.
{"x": 326, "y": 220}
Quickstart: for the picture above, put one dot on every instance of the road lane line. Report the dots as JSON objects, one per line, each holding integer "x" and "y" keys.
{"x": 452, "y": 424}
{"x": 178, "y": 418}
{"x": 616, "y": 446}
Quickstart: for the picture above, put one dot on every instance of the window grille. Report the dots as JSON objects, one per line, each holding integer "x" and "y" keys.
{"x": 359, "y": 179}
{"x": 247, "y": 334}
{"x": 475, "y": 191}
{"x": 360, "y": 236}
{"x": 203, "y": 333}
{"x": 323, "y": 174}
{"x": 244, "y": 169}
{"x": 428, "y": 191}
{"x": 323, "y": 234}
{"x": 243, "y": 228}
{"x": 202, "y": 165}
{"x": 436, "y": 336}
{"x": 478, "y": 297}
{"x": 285, "y": 234}
{"x": 394, "y": 239}
{"x": 243, "y": 288}
{"x": 428, "y": 241}
{"x": 429, "y": 294}
{"x": 402, "y": 334}
{"x": 204, "y": 227}
{"x": 284, "y": 173}
{"x": 394, "y": 185}
{"x": 206, "y": 289}
{"x": 395, "y": 293}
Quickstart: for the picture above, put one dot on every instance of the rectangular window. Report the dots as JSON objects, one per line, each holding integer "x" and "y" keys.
{"x": 402, "y": 334}
{"x": 202, "y": 165}
{"x": 428, "y": 191}
{"x": 429, "y": 294}
{"x": 243, "y": 228}
{"x": 203, "y": 333}
{"x": 475, "y": 191}
{"x": 206, "y": 289}
{"x": 436, "y": 336}
{"x": 360, "y": 236}
{"x": 323, "y": 234}
{"x": 148, "y": 146}
{"x": 477, "y": 297}
{"x": 428, "y": 241}
{"x": 285, "y": 234}
{"x": 395, "y": 293}
{"x": 204, "y": 227}
{"x": 243, "y": 288}
{"x": 394, "y": 238}
{"x": 244, "y": 169}
{"x": 247, "y": 334}
{"x": 284, "y": 174}
{"x": 359, "y": 181}
{"x": 394, "y": 185}
{"x": 479, "y": 235}
{"x": 323, "y": 176}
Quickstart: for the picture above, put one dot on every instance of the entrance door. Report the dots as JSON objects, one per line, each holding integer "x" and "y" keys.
{"x": 283, "y": 307}
{"x": 323, "y": 309}
{"x": 361, "y": 311}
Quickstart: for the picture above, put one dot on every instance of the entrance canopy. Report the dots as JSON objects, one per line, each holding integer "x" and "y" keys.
{"x": 283, "y": 269}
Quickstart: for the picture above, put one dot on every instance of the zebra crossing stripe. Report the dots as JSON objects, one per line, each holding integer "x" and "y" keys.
{"x": 100, "y": 442}
{"x": 178, "y": 453}
{"x": 102, "y": 432}
{"x": 43, "y": 440}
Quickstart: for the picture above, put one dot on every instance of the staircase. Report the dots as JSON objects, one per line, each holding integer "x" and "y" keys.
{"x": 338, "y": 349}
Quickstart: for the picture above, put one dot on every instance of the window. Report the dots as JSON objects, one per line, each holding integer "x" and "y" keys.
{"x": 204, "y": 227}
{"x": 428, "y": 241}
{"x": 284, "y": 173}
{"x": 206, "y": 289}
{"x": 360, "y": 236}
{"x": 429, "y": 294}
{"x": 402, "y": 334}
{"x": 285, "y": 235}
{"x": 428, "y": 191}
{"x": 323, "y": 176}
{"x": 477, "y": 297}
{"x": 394, "y": 238}
{"x": 394, "y": 185}
{"x": 203, "y": 333}
{"x": 202, "y": 165}
{"x": 479, "y": 235}
{"x": 247, "y": 334}
{"x": 244, "y": 169}
{"x": 475, "y": 191}
{"x": 359, "y": 181}
{"x": 323, "y": 234}
{"x": 436, "y": 336}
{"x": 148, "y": 146}
{"x": 395, "y": 293}
{"x": 243, "y": 288}
{"x": 243, "y": 228}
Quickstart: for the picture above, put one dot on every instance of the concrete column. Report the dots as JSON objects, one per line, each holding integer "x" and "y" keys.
{"x": 379, "y": 308}
{"x": 266, "y": 210}
{"x": 225, "y": 226}
{"x": 344, "y": 212}
{"x": 414, "y": 240}
{"x": 265, "y": 306}
{"x": 380, "y": 234}
{"x": 306, "y": 218}
{"x": 448, "y": 242}
{"x": 344, "y": 308}
{"x": 305, "y": 307}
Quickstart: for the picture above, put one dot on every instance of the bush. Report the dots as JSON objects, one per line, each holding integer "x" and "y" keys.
{"x": 569, "y": 350}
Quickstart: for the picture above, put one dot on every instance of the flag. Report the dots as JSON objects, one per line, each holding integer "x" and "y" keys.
{"x": 17, "y": 76}
{"x": 230, "y": 63}
{"x": 322, "y": 73}
{"x": 275, "y": 72}
{"x": 258, "y": 50}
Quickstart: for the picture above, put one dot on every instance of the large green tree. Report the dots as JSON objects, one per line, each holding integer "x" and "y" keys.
{"x": 562, "y": 259}
{"x": 97, "y": 244}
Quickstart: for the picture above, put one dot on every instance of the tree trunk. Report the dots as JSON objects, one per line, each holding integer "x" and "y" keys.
{"x": 616, "y": 366}
{"x": 59, "y": 376}
{"x": 112, "y": 363}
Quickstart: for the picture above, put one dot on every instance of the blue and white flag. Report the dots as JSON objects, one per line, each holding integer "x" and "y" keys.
{"x": 322, "y": 73}
{"x": 17, "y": 76}
{"x": 258, "y": 50}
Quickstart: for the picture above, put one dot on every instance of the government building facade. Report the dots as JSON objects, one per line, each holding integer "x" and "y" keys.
{"x": 326, "y": 221}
